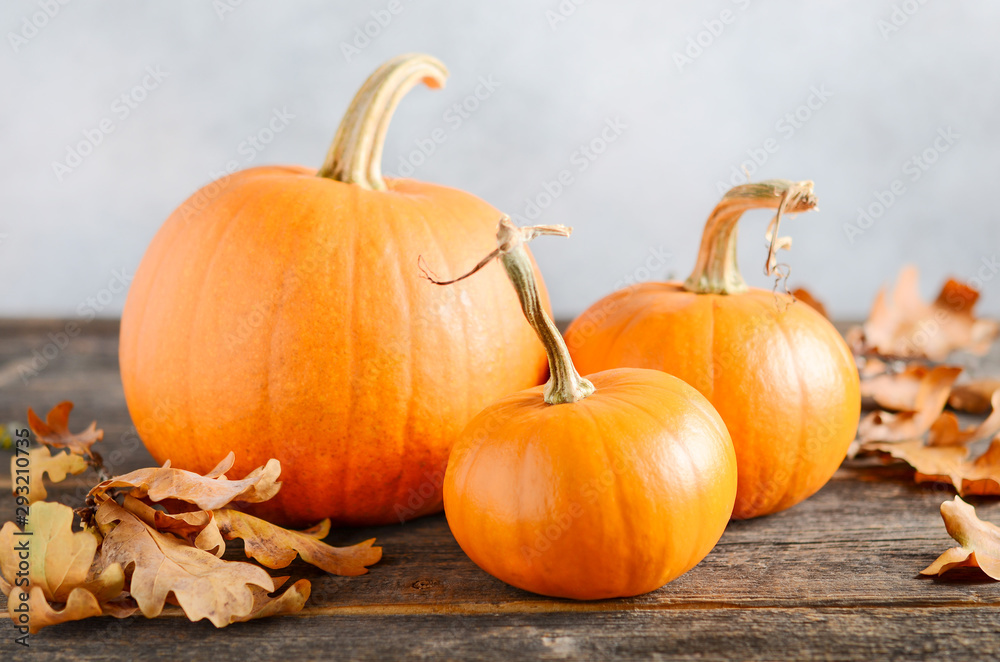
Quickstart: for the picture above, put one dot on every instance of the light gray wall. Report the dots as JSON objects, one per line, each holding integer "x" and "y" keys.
{"x": 886, "y": 95}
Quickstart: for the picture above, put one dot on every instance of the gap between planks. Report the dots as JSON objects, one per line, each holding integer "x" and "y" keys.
{"x": 549, "y": 607}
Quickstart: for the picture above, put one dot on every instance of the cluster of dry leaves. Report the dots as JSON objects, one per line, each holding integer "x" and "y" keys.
{"x": 153, "y": 537}
{"x": 908, "y": 389}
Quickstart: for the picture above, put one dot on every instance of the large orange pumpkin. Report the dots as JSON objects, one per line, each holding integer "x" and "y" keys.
{"x": 603, "y": 487}
{"x": 777, "y": 371}
{"x": 279, "y": 313}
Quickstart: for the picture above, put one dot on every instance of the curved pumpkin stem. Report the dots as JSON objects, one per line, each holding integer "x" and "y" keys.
{"x": 355, "y": 157}
{"x": 716, "y": 270}
{"x": 565, "y": 383}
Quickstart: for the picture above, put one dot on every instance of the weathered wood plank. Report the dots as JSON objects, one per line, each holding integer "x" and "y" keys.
{"x": 835, "y": 576}
{"x": 836, "y": 549}
{"x": 952, "y": 633}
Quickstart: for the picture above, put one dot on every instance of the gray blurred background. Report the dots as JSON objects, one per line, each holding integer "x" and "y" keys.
{"x": 889, "y": 106}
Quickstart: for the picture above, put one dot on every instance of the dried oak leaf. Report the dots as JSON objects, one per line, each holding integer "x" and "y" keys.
{"x": 197, "y": 527}
{"x": 8, "y": 557}
{"x": 160, "y": 565}
{"x": 895, "y": 391}
{"x": 80, "y": 604}
{"x": 902, "y": 325}
{"x": 979, "y": 540}
{"x": 208, "y": 492}
{"x": 974, "y": 397}
{"x": 54, "y": 430}
{"x": 946, "y": 430}
{"x": 276, "y": 547}
{"x": 983, "y": 476}
{"x": 929, "y": 401}
{"x": 63, "y": 559}
{"x": 42, "y": 461}
{"x": 806, "y": 297}
{"x": 63, "y": 569}
{"x": 289, "y": 602}
{"x": 948, "y": 464}
{"x": 934, "y": 464}
{"x": 870, "y": 366}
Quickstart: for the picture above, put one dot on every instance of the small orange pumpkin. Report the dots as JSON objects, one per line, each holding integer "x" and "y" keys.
{"x": 593, "y": 488}
{"x": 777, "y": 371}
{"x": 279, "y": 313}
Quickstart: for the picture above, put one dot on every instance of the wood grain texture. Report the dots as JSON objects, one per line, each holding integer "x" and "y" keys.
{"x": 959, "y": 633}
{"x": 834, "y": 577}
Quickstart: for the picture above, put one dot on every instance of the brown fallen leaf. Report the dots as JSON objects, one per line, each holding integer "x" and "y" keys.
{"x": 896, "y": 391}
{"x": 54, "y": 430}
{"x": 974, "y": 397}
{"x": 187, "y": 525}
{"x": 122, "y": 607}
{"x": 159, "y": 565}
{"x": 291, "y": 601}
{"x": 221, "y": 468}
{"x": 8, "y": 557}
{"x": 160, "y": 545}
{"x": 63, "y": 559}
{"x": 276, "y": 547}
{"x": 63, "y": 569}
{"x": 946, "y": 430}
{"x": 929, "y": 401}
{"x": 938, "y": 464}
{"x": 948, "y": 464}
{"x": 983, "y": 477}
{"x": 197, "y": 527}
{"x": 806, "y": 297}
{"x": 902, "y": 325}
{"x": 42, "y": 461}
{"x": 206, "y": 492}
{"x": 870, "y": 366}
{"x": 80, "y": 604}
{"x": 979, "y": 541}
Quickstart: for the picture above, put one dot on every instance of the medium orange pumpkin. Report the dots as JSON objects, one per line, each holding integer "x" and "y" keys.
{"x": 279, "y": 313}
{"x": 593, "y": 488}
{"x": 777, "y": 371}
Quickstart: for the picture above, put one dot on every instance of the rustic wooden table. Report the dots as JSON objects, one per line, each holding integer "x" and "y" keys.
{"x": 833, "y": 578}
